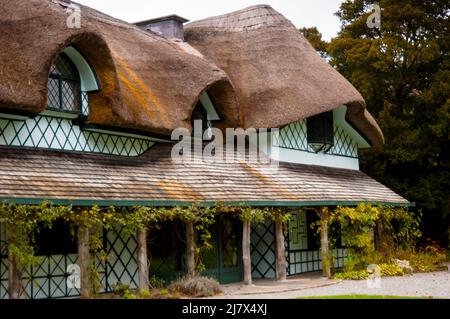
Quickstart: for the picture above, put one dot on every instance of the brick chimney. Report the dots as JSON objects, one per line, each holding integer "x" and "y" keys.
{"x": 170, "y": 27}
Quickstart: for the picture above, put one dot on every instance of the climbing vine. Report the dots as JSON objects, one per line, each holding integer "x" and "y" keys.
{"x": 357, "y": 226}
{"x": 25, "y": 221}
{"x": 256, "y": 215}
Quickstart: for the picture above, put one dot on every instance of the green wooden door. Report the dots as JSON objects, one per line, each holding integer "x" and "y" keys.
{"x": 224, "y": 261}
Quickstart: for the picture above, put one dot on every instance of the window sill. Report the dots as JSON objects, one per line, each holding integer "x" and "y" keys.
{"x": 61, "y": 114}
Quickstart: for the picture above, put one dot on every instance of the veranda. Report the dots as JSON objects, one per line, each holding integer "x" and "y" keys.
{"x": 40, "y": 244}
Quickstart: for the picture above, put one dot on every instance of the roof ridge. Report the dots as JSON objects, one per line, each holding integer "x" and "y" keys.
{"x": 252, "y": 17}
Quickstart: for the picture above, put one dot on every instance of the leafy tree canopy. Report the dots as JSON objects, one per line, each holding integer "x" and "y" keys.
{"x": 403, "y": 72}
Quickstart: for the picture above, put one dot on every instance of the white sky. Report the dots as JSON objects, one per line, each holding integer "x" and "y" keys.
{"x": 303, "y": 13}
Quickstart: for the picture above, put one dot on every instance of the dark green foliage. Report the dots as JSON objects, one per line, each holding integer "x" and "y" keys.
{"x": 315, "y": 38}
{"x": 403, "y": 72}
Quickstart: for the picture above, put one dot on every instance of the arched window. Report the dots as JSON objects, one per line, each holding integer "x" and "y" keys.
{"x": 64, "y": 86}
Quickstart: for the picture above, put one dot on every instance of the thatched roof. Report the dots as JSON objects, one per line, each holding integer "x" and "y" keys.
{"x": 147, "y": 82}
{"x": 278, "y": 76}
{"x": 152, "y": 84}
{"x": 155, "y": 178}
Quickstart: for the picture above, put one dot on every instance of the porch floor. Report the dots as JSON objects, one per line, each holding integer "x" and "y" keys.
{"x": 268, "y": 286}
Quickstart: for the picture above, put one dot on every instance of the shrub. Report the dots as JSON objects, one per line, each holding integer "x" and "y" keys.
{"x": 156, "y": 282}
{"x": 196, "y": 286}
{"x": 426, "y": 262}
{"x": 144, "y": 294}
{"x": 385, "y": 269}
{"x": 391, "y": 270}
{"x": 165, "y": 294}
{"x": 120, "y": 288}
{"x": 395, "y": 229}
{"x": 352, "y": 275}
{"x": 123, "y": 290}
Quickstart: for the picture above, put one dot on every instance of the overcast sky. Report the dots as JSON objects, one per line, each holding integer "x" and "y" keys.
{"x": 303, "y": 13}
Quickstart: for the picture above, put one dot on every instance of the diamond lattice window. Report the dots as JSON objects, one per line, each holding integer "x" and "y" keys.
{"x": 64, "y": 86}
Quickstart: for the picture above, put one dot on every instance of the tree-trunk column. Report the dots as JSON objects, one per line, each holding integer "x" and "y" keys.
{"x": 142, "y": 259}
{"x": 190, "y": 249}
{"x": 324, "y": 244}
{"x": 246, "y": 258}
{"x": 14, "y": 272}
{"x": 83, "y": 260}
{"x": 280, "y": 252}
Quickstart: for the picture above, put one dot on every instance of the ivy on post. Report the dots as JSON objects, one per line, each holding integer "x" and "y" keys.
{"x": 198, "y": 236}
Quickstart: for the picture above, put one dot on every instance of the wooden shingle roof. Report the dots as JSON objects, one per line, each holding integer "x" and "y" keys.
{"x": 155, "y": 179}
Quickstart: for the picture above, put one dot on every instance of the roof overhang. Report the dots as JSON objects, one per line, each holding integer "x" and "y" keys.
{"x": 30, "y": 176}
{"x": 172, "y": 203}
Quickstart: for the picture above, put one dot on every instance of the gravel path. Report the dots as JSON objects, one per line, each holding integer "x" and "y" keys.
{"x": 436, "y": 285}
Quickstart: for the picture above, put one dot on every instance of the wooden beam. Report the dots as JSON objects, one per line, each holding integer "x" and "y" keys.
{"x": 190, "y": 249}
{"x": 324, "y": 243}
{"x": 14, "y": 271}
{"x": 142, "y": 259}
{"x": 83, "y": 261}
{"x": 246, "y": 258}
{"x": 280, "y": 249}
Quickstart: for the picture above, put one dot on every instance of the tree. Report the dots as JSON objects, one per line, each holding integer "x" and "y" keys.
{"x": 315, "y": 38}
{"x": 403, "y": 72}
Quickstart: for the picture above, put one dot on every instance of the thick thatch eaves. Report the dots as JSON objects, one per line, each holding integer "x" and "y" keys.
{"x": 278, "y": 76}
{"x": 147, "y": 82}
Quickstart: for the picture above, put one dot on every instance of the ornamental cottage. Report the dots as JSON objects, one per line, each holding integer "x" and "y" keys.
{"x": 86, "y": 118}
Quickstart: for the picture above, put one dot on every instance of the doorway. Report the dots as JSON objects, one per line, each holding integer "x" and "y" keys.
{"x": 224, "y": 260}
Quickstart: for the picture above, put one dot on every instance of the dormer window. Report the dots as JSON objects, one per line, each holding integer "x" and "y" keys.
{"x": 205, "y": 112}
{"x": 64, "y": 86}
{"x": 200, "y": 114}
{"x": 320, "y": 132}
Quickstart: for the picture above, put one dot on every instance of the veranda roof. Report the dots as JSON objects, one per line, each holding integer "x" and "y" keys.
{"x": 154, "y": 179}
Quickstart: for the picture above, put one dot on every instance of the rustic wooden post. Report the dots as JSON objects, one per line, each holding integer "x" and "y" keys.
{"x": 324, "y": 244}
{"x": 83, "y": 261}
{"x": 142, "y": 259}
{"x": 378, "y": 235}
{"x": 14, "y": 271}
{"x": 280, "y": 252}
{"x": 246, "y": 258}
{"x": 190, "y": 249}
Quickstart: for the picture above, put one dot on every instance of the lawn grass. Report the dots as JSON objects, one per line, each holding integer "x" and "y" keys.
{"x": 360, "y": 297}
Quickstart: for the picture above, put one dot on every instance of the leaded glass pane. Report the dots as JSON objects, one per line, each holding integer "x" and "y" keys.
{"x": 53, "y": 93}
{"x": 64, "y": 89}
{"x": 70, "y": 95}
